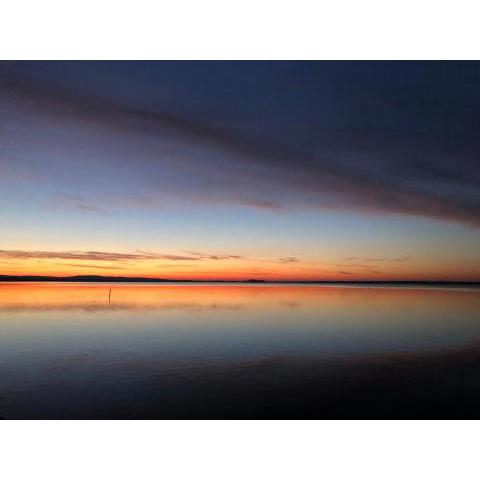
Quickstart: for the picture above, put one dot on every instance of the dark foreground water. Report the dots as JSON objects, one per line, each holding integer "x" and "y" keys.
{"x": 238, "y": 351}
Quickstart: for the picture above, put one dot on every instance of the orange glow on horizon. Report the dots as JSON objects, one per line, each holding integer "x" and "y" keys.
{"x": 242, "y": 274}
{"x": 238, "y": 270}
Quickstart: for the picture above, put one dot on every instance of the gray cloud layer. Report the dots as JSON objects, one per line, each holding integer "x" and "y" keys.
{"x": 388, "y": 168}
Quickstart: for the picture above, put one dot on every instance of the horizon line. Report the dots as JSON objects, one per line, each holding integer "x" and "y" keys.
{"x": 109, "y": 278}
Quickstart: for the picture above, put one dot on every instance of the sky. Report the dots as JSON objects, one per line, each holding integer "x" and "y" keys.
{"x": 241, "y": 170}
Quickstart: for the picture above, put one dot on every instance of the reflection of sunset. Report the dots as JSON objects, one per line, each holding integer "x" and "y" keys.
{"x": 66, "y": 348}
{"x": 321, "y": 299}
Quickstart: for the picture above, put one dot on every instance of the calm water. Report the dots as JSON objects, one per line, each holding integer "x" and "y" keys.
{"x": 238, "y": 351}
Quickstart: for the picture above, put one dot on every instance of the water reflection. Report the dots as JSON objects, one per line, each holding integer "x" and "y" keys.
{"x": 237, "y": 351}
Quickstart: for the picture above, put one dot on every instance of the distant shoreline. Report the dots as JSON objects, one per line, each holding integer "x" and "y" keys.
{"x": 105, "y": 279}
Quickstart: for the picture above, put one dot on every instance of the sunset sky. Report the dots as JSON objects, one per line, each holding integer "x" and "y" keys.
{"x": 240, "y": 170}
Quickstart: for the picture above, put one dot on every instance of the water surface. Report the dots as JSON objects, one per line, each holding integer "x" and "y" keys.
{"x": 238, "y": 351}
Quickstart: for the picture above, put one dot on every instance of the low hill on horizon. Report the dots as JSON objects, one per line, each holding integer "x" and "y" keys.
{"x": 112, "y": 279}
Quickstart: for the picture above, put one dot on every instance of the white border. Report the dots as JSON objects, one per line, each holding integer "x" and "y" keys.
{"x": 237, "y": 450}
{"x": 247, "y": 29}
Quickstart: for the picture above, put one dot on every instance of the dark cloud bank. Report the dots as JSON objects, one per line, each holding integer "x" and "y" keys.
{"x": 374, "y": 137}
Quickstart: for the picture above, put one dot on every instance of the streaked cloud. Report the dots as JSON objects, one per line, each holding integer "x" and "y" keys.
{"x": 207, "y": 256}
{"x": 377, "y": 155}
{"x": 379, "y": 259}
{"x": 77, "y": 201}
{"x": 110, "y": 256}
{"x": 288, "y": 259}
{"x": 351, "y": 260}
{"x": 90, "y": 255}
{"x": 353, "y": 265}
